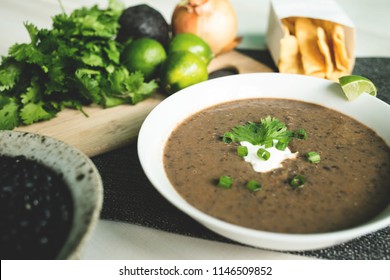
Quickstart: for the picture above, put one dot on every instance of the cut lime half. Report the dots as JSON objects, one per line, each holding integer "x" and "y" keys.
{"x": 353, "y": 86}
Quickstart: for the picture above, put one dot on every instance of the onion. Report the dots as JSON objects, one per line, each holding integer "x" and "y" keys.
{"x": 215, "y": 21}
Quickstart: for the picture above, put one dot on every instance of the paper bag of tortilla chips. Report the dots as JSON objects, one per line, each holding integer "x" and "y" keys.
{"x": 311, "y": 37}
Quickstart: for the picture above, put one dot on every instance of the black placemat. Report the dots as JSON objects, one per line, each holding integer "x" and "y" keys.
{"x": 129, "y": 197}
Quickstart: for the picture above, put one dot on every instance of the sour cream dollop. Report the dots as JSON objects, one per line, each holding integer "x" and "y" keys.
{"x": 274, "y": 162}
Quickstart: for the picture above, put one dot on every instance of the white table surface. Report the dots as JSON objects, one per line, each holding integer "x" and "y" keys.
{"x": 117, "y": 240}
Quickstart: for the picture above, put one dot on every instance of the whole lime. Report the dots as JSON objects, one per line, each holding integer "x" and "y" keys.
{"x": 192, "y": 43}
{"x": 182, "y": 69}
{"x": 145, "y": 55}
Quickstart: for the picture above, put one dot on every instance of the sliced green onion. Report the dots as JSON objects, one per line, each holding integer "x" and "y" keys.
{"x": 268, "y": 144}
{"x": 297, "y": 182}
{"x": 228, "y": 137}
{"x": 313, "y": 157}
{"x": 253, "y": 186}
{"x": 242, "y": 151}
{"x": 225, "y": 182}
{"x": 282, "y": 144}
{"x": 300, "y": 134}
{"x": 263, "y": 153}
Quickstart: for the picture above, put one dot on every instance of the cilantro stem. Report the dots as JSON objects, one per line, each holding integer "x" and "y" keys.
{"x": 61, "y": 6}
{"x": 83, "y": 112}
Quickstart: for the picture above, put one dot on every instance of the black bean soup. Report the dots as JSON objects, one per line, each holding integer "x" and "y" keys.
{"x": 349, "y": 186}
{"x": 36, "y": 210}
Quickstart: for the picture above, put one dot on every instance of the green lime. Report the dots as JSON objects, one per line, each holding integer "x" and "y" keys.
{"x": 145, "y": 55}
{"x": 192, "y": 43}
{"x": 353, "y": 86}
{"x": 182, "y": 69}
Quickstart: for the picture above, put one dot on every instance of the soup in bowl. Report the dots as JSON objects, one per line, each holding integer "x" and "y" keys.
{"x": 275, "y": 161}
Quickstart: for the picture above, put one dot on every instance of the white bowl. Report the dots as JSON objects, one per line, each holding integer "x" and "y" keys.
{"x": 79, "y": 173}
{"x": 167, "y": 115}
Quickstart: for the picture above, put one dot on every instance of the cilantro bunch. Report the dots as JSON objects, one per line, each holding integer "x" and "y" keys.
{"x": 75, "y": 63}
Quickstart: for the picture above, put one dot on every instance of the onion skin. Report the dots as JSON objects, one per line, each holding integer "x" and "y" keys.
{"x": 215, "y": 21}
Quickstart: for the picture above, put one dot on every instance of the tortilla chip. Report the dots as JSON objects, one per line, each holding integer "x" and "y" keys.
{"x": 336, "y": 74}
{"x": 313, "y": 61}
{"x": 343, "y": 63}
{"x": 323, "y": 44}
{"x": 325, "y": 24}
{"x": 290, "y": 24}
{"x": 314, "y": 47}
{"x": 290, "y": 59}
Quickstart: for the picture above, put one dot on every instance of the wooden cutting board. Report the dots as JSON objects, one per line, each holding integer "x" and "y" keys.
{"x": 108, "y": 129}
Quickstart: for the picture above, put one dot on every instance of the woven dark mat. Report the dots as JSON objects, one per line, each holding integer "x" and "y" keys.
{"x": 129, "y": 197}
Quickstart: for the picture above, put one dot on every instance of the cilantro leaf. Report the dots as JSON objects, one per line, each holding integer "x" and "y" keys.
{"x": 89, "y": 84}
{"x": 33, "y": 112}
{"x": 56, "y": 76}
{"x": 116, "y": 80}
{"x": 34, "y": 108}
{"x": 9, "y": 117}
{"x": 274, "y": 129}
{"x": 129, "y": 86}
{"x": 33, "y": 32}
{"x": 9, "y": 74}
{"x": 265, "y": 132}
{"x": 26, "y": 53}
{"x": 90, "y": 22}
{"x": 142, "y": 90}
{"x": 92, "y": 59}
{"x": 112, "y": 51}
{"x": 112, "y": 101}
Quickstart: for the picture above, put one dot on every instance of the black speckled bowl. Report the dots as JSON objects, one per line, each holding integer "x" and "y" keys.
{"x": 79, "y": 173}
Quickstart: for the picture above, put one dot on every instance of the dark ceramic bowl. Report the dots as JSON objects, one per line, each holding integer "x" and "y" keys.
{"x": 79, "y": 173}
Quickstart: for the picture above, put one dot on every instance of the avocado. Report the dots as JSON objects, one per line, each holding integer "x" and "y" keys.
{"x": 143, "y": 21}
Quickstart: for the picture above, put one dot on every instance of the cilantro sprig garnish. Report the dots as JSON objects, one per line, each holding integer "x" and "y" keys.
{"x": 268, "y": 131}
{"x": 75, "y": 63}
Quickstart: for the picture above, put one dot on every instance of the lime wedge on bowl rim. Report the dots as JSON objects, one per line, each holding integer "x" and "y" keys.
{"x": 353, "y": 86}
